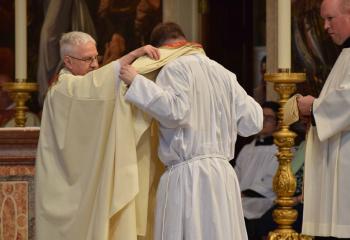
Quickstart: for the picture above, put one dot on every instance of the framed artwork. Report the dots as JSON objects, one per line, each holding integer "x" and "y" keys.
{"x": 313, "y": 51}
{"x": 118, "y": 26}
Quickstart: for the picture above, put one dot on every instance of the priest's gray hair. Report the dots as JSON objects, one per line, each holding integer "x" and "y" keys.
{"x": 71, "y": 39}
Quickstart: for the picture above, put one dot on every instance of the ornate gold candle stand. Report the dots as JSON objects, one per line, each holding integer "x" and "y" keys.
{"x": 284, "y": 182}
{"x": 20, "y": 93}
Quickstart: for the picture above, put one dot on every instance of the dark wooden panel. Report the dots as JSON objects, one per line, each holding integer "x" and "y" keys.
{"x": 18, "y": 146}
{"x": 227, "y": 35}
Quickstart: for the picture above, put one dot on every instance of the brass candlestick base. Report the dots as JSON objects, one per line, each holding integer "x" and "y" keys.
{"x": 284, "y": 183}
{"x": 20, "y": 93}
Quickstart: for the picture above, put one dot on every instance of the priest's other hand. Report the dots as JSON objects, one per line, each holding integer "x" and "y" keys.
{"x": 127, "y": 74}
{"x": 152, "y": 52}
{"x": 305, "y": 104}
{"x": 148, "y": 50}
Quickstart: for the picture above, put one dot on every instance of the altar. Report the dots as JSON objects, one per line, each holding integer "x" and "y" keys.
{"x": 17, "y": 168}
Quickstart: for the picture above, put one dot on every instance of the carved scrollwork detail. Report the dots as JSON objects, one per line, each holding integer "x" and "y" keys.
{"x": 288, "y": 236}
{"x": 284, "y": 141}
{"x": 284, "y": 157}
{"x": 283, "y": 236}
{"x": 285, "y": 90}
{"x": 285, "y": 214}
{"x": 284, "y": 182}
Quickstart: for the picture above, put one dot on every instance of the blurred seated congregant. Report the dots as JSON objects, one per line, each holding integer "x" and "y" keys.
{"x": 7, "y": 106}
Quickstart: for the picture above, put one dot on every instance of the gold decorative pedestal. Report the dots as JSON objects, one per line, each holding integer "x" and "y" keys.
{"x": 20, "y": 93}
{"x": 284, "y": 182}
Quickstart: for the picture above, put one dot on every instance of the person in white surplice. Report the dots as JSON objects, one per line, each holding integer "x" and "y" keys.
{"x": 200, "y": 108}
{"x": 327, "y": 161}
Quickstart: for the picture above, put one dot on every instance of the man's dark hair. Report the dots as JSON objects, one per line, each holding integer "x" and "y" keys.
{"x": 165, "y": 31}
{"x": 272, "y": 105}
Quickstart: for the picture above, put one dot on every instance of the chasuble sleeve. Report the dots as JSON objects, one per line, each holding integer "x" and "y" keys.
{"x": 95, "y": 85}
{"x": 167, "y": 100}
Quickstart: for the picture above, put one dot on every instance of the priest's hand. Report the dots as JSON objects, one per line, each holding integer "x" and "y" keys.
{"x": 127, "y": 74}
{"x": 305, "y": 104}
{"x": 148, "y": 50}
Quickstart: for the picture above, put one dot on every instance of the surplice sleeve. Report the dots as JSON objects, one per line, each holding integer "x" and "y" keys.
{"x": 167, "y": 100}
{"x": 331, "y": 112}
{"x": 98, "y": 84}
{"x": 248, "y": 112}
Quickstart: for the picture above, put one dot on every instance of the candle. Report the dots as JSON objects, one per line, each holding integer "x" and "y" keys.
{"x": 284, "y": 34}
{"x": 21, "y": 40}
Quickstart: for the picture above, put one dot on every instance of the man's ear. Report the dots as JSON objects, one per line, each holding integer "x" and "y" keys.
{"x": 67, "y": 62}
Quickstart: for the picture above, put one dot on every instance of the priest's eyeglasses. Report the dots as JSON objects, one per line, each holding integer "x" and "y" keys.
{"x": 88, "y": 60}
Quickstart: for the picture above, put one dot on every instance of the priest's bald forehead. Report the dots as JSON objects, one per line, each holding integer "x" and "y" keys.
{"x": 344, "y": 5}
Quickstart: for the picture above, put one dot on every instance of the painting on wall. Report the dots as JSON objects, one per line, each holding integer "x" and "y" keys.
{"x": 313, "y": 50}
{"x": 118, "y": 26}
{"x": 131, "y": 19}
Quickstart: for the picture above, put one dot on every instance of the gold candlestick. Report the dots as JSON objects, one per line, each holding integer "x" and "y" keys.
{"x": 20, "y": 93}
{"x": 284, "y": 182}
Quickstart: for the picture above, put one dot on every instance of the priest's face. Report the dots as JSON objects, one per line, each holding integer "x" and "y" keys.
{"x": 336, "y": 16}
{"x": 82, "y": 59}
